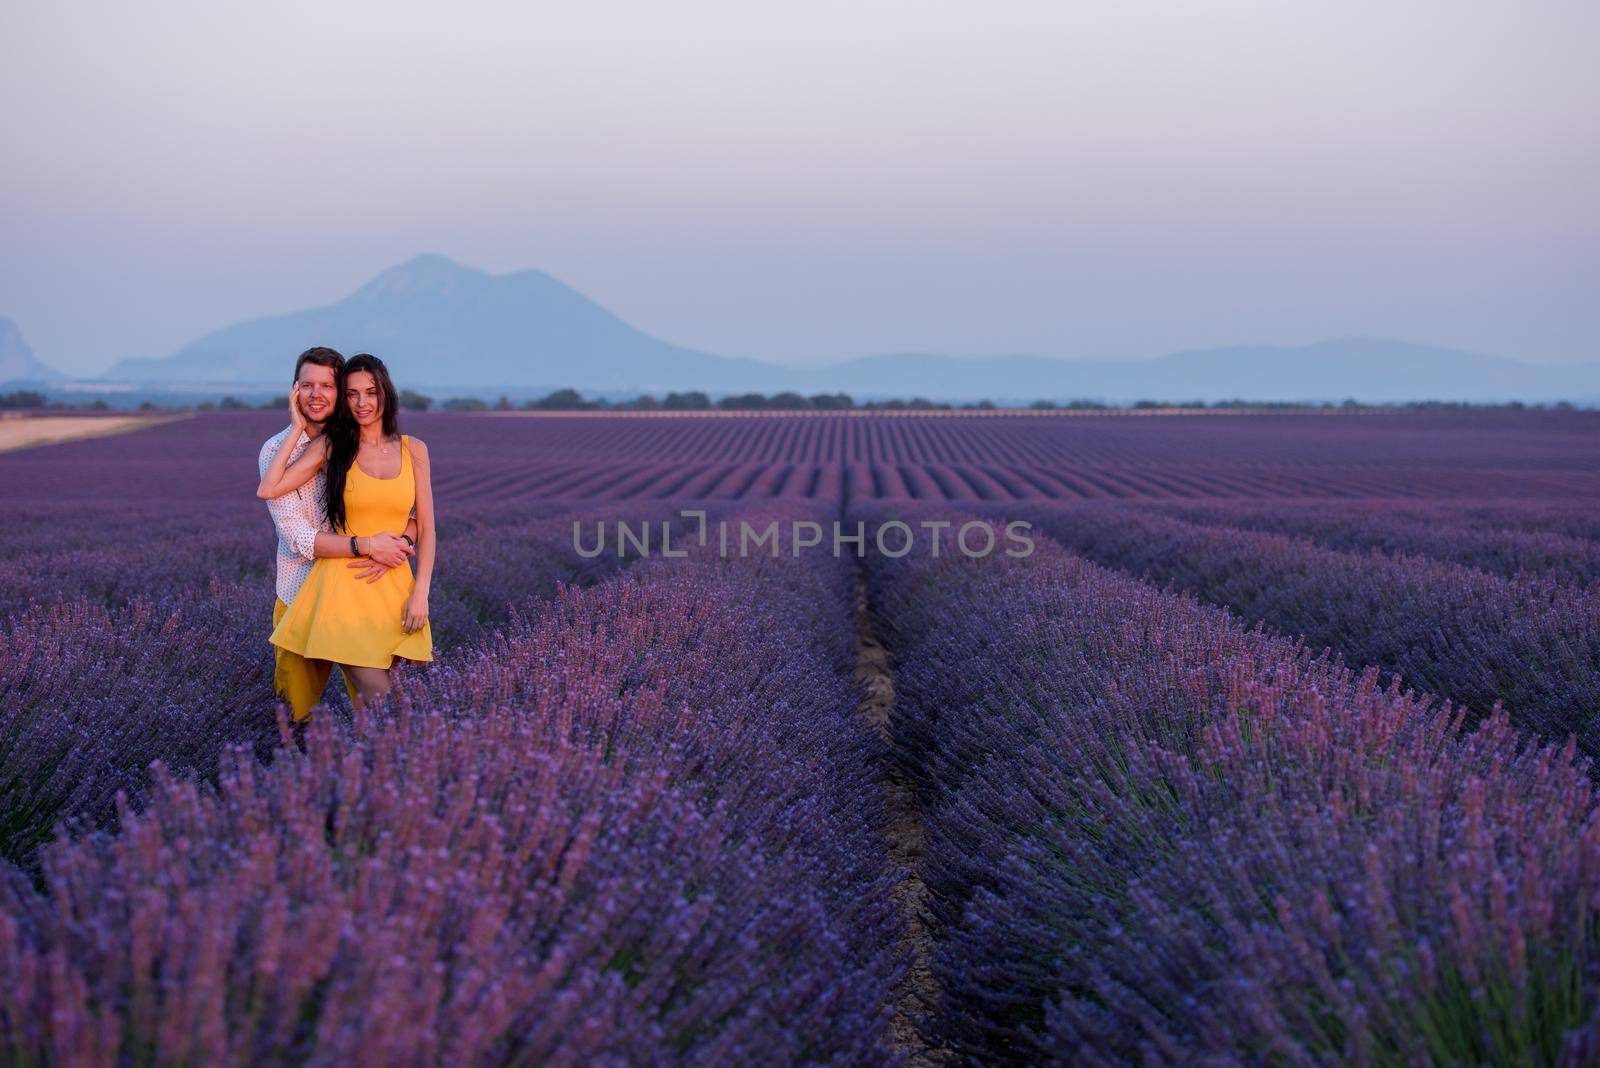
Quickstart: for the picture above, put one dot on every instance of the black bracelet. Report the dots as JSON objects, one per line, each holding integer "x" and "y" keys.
{"x": 353, "y": 550}
{"x": 409, "y": 542}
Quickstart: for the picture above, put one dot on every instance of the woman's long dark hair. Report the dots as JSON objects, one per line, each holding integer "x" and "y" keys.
{"x": 344, "y": 433}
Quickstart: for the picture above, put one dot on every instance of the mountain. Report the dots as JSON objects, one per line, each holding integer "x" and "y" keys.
{"x": 17, "y": 362}
{"x": 439, "y": 325}
{"x": 1373, "y": 370}
{"x": 445, "y": 328}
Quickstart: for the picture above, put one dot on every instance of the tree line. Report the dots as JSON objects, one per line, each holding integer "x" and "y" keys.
{"x": 694, "y": 400}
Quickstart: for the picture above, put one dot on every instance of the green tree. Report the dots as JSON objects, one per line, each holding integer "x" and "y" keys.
{"x": 563, "y": 400}
{"x": 691, "y": 401}
{"x": 22, "y": 398}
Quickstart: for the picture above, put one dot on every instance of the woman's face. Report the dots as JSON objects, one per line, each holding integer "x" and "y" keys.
{"x": 362, "y": 396}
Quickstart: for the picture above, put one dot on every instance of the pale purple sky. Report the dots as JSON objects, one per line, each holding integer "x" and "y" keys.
{"x": 814, "y": 181}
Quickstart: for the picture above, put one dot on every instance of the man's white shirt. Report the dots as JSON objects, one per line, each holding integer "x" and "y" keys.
{"x": 298, "y": 515}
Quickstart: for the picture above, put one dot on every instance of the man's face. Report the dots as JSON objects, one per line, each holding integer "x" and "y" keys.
{"x": 318, "y": 387}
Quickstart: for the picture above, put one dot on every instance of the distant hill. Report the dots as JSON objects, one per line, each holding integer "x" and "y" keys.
{"x": 1373, "y": 370}
{"x": 438, "y": 324}
{"x": 17, "y": 362}
{"x": 442, "y": 328}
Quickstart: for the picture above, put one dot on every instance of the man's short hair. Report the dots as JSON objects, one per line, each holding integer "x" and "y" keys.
{"x": 322, "y": 357}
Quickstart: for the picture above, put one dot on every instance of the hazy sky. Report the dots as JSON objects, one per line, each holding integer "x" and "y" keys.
{"x": 806, "y": 181}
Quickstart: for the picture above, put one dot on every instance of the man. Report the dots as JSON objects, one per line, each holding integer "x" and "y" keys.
{"x": 303, "y": 534}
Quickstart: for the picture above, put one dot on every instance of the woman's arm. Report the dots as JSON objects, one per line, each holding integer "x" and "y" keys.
{"x": 416, "y": 609}
{"x": 283, "y": 477}
{"x": 280, "y": 478}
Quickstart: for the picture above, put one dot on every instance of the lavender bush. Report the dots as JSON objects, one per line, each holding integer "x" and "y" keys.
{"x": 1441, "y": 533}
{"x": 89, "y": 696}
{"x": 146, "y": 655}
{"x": 638, "y": 826}
{"x": 1489, "y": 458}
{"x": 491, "y": 564}
{"x": 1155, "y": 836}
{"x": 736, "y": 670}
{"x": 1450, "y": 630}
{"x": 418, "y": 892}
{"x": 632, "y": 813}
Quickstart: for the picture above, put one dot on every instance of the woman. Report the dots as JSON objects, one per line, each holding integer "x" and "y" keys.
{"x": 375, "y": 477}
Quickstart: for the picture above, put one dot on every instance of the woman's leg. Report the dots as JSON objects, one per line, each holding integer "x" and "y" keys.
{"x": 369, "y": 682}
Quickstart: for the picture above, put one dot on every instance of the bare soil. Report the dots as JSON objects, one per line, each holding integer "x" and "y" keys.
{"x": 50, "y": 429}
{"x": 920, "y": 989}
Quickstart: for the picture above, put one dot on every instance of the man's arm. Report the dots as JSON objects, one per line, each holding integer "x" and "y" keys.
{"x": 375, "y": 556}
{"x": 372, "y": 570}
{"x": 381, "y": 548}
{"x": 295, "y": 529}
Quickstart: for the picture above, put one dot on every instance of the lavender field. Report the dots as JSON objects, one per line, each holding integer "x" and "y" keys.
{"x": 1277, "y": 748}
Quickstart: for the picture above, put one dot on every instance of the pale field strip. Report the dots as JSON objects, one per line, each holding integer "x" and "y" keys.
{"x": 33, "y": 430}
{"x": 767, "y": 413}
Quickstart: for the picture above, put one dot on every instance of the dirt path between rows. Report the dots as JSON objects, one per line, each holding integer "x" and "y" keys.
{"x": 920, "y": 989}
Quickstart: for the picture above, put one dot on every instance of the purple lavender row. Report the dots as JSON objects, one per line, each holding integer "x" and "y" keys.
{"x": 1440, "y": 534}
{"x": 1155, "y": 836}
{"x": 1529, "y": 457}
{"x": 492, "y": 563}
{"x": 35, "y": 527}
{"x": 1569, "y": 518}
{"x": 488, "y": 557}
{"x": 1450, "y": 630}
{"x": 638, "y": 827}
{"x": 111, "y": 658}
{"x": 735, "y": 670}
{"x": 38, "y": 527}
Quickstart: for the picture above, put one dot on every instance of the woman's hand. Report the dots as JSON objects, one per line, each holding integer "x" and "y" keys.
{"x": 415, "y": 614}
{"x": 297, "y": 418}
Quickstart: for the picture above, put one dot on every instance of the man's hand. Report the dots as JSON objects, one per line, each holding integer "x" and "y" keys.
{"x": 370, "y": 570}
{"x": 388, "y": 549}
{"x": 383, "y": 552}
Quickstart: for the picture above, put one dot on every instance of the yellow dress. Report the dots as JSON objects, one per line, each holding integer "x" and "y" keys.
{"x": 339, "y": 617}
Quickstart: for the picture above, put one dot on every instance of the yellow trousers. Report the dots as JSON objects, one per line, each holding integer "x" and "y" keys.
{"x": 298, "y": 680}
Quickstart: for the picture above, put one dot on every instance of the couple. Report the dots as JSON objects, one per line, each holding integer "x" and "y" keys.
{"x": 340, "y": 482}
